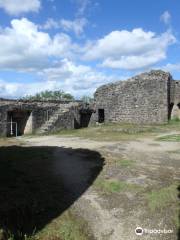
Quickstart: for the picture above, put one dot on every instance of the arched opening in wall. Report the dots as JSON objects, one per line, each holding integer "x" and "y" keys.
{"x": 178, "y": 111}
{"x": 101, "y": 115}
{"x": 17, "y": 122}
{"x": 171, "y": 105}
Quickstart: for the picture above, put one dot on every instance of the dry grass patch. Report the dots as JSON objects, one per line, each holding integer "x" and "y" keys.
{"x": 162, "y": 198}
{"x": 119, "y": 131}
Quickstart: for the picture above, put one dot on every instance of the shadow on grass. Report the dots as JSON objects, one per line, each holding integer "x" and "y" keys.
{"x": 37, "y": 184}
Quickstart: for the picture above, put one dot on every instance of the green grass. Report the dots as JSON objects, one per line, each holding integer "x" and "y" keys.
{"x": 170, "y": 138}
{"x": 114, "y": 186}
{"x": 116, "y": 131}
{"x": 126, "y": 163}
{"x": 66, "y": 227}
{"x": 9, "y": 236}
{"x": 107, "y": 132}
{"x": 176, "y": 220}
{"x": 119, "y": 131}
{"x": 175, "y": 120}
{"x": 162, "y": 198}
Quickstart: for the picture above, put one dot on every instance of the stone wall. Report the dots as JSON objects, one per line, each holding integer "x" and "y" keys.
{"x": 68, "y": 120}
{"x": 176, "y": 100}
{"x": 147, "y": 98}
{"x": 39, "y": 112}
{"x": 66, "y": 117}
{"x": 142, "y": 99}
{"x": 177, "y": 92}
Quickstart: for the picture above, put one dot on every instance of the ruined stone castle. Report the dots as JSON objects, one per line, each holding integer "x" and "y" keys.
{"x": 18, "y": 117}
{"x": 148, "y": 98}
{"x": 152, "y": 97}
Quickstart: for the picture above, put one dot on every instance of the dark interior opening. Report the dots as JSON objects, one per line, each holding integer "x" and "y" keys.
{"x": 76, "y": 124}
{"x": 85, "y": 119}
{"x": 178, "y": 105}
{"x": 16, "y": 122}
{"x": 100, "y": 115}
{"x": 170, "y": 110}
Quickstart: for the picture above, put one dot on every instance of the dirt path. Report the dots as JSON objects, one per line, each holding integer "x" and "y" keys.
{"x": 115, "y": 215}
{"x": 72, "y": 142}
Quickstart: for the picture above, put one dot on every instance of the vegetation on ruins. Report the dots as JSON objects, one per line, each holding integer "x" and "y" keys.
{"x": 87, "y": 99}
{"x": 56, "y": 95}
{"x": 50, "y": 95}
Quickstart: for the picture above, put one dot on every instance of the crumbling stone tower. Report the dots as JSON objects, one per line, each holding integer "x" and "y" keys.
{"x": 146, "y": 98}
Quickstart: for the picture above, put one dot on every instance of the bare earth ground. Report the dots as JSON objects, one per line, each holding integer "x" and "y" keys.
{"x": 114, "y": 215}
{"x": 137, "y": 186}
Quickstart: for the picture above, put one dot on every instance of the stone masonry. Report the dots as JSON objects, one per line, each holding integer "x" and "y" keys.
{"x": 176, "y": 101}
{"x": 36, "y": 116}
{"x": 146, "y": 98}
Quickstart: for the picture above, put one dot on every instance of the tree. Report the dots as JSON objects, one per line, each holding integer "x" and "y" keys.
{"x": 87, "y": 99}
{"x": 50, "y": 95}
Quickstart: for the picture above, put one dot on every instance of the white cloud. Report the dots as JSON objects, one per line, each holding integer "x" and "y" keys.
{"x": 50, "y": 23}
{"x": 171, "y": 67}
{"x": 26, "y": 48}
{"x": 85, "y": 7}
{"x": 16, "y": 7}
{"x": 7, "y": 89}
{"x": 76, "y": 26}
{"x": 76, "y": 79}
{"x": 129, "y": 50}
{"x": 18, "y": 90}
{"x": 133, "y": 62}
{"x": 166, "y": 17}
{"x": 82, "y": 6}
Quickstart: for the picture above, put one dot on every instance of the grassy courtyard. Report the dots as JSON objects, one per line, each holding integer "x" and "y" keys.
{"x": 54, "y": 186}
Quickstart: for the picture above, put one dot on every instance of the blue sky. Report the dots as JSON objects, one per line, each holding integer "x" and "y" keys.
{"x": 78, "y": 45}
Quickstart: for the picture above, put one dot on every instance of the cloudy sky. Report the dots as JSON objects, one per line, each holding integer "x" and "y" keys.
{"x": 78, "y": 45}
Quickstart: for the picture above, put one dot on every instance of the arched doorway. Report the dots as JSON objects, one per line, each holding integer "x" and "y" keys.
{"x": 175, "y": 112}
{"x": 16, "y": 122}
{"x": 171, "y": 105}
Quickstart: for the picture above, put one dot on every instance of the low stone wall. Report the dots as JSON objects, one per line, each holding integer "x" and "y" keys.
{"x": 39, "y": 113}
{"x": 68, "y": 120}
